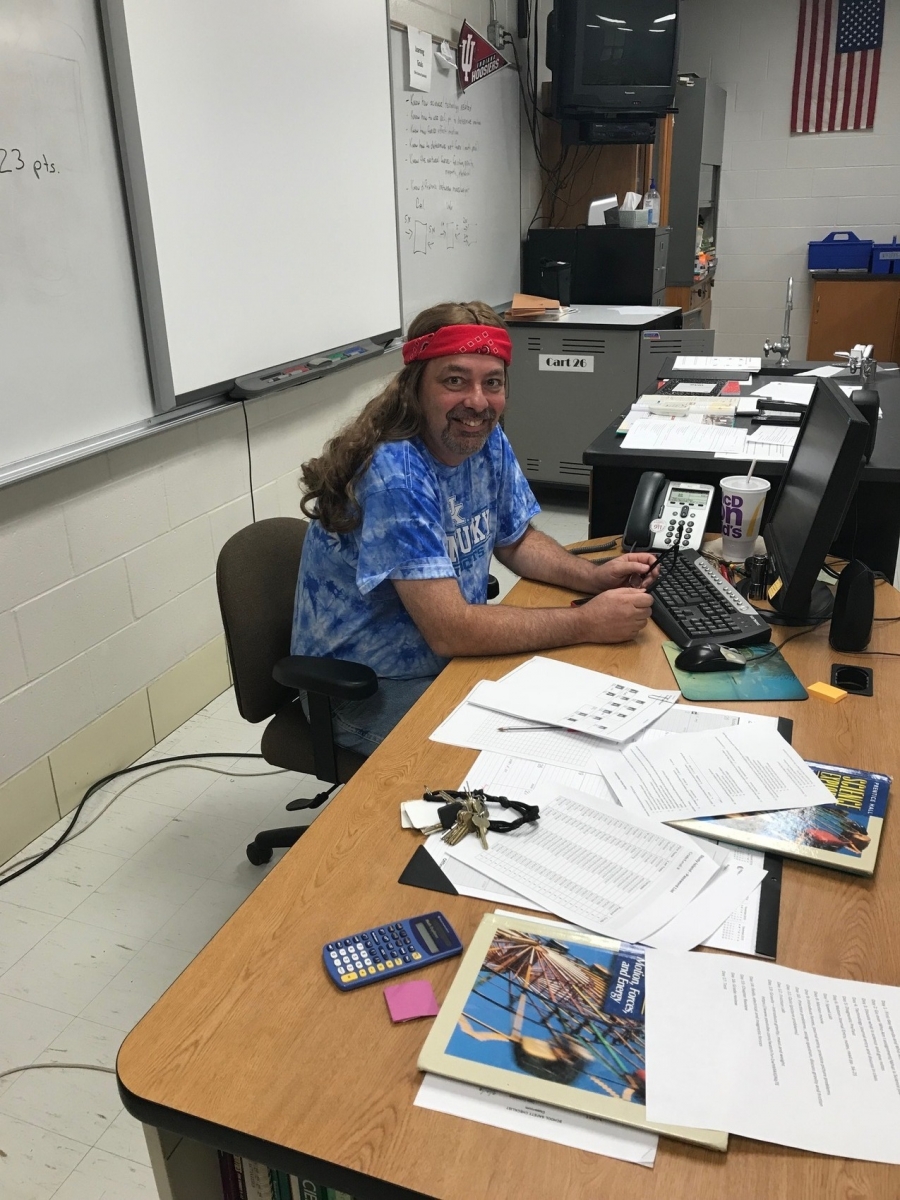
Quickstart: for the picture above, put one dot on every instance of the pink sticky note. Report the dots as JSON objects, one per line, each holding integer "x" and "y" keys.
{"x": 406, "y": 1001}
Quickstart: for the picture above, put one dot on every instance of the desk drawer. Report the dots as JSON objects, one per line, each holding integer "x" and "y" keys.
{"x": 661, "y": 250}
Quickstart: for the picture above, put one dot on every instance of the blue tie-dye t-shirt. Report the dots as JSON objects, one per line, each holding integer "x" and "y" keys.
{"x": 420, "y": 520}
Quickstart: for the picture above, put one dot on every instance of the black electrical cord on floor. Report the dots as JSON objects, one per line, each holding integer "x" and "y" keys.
{"x": 157, "y": 762}
{"x": 249, "y": 461}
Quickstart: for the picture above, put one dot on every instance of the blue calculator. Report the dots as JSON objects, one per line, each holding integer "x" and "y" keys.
{"x": 388, "y": 950}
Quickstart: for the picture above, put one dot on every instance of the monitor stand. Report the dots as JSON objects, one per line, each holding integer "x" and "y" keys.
{"x": 821, "y": 603}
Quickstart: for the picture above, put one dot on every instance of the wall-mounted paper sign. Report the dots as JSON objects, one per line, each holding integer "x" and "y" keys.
{"x": 420, "y": 54}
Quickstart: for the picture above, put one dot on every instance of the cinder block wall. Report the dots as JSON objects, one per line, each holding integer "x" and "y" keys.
{"x": 779, "y": 190}
{"x": 110, "y": 635}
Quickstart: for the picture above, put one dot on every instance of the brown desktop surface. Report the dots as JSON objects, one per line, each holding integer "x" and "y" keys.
{"x": 253, "y": 1038}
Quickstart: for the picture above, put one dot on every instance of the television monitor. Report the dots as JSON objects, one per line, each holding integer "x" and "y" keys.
{"x": 612, "y": 56}
{"x": 812, "y": 501}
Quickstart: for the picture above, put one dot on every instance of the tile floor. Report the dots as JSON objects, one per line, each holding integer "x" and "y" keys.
{"x": 91, "y": 937}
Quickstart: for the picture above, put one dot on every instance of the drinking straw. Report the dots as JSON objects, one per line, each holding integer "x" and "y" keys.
{"x": 750, "y": 472}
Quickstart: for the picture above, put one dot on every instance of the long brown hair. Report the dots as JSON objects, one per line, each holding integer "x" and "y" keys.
{"x": 394, "y": 415}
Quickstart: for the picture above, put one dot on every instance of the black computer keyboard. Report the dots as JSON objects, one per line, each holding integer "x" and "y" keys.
{"x": 693, "y": 603}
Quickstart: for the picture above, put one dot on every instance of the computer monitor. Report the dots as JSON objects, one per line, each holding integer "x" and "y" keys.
{"x": 812, "y": 501}
{"x": 604, "y": 211}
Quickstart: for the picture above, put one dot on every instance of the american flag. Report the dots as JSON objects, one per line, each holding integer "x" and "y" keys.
{"x": 836, "y": 66}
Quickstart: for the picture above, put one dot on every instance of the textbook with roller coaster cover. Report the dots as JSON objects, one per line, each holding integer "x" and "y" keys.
{"x": 843, "y": 835}
{"x": 554, "y": 1014}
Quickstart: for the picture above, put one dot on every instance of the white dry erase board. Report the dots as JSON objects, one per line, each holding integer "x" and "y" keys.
{"x": 256, "y": 141}
{"x": 72, "y": 359}
{"x": 458, "y": 164}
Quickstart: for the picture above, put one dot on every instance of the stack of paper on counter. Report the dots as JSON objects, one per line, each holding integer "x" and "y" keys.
{"x": 554, "y": 1015}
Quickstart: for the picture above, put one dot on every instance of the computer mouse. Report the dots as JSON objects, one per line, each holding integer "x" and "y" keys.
{"x": 706, "y": 656}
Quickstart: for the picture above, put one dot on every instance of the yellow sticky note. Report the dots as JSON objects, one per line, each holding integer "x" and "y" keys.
{"x": 826, "y": 692}
{"x": 774, "y": 588}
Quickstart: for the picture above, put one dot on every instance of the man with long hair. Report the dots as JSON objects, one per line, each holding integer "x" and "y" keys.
{"x": 408, "y": 502}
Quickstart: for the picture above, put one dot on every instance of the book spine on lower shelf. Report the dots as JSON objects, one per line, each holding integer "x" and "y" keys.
{"x": 257, "y": 1181}
{"x": 238, "y": 1165}
{"x": 230, "y": 1190}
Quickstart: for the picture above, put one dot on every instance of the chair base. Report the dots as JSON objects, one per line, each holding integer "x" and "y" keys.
{"x": 300, "y": 802}
{"x": 259, "y": 851}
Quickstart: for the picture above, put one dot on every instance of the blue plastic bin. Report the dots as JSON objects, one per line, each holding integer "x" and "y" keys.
{"x": 886, "y": 258}
{"x": 840, "y": 251}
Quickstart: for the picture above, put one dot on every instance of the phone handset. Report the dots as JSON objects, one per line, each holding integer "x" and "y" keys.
{"x": 664, "y": 514}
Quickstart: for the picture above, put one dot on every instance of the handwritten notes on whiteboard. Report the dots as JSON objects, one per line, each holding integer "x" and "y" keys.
{"x": 457, "y": 162}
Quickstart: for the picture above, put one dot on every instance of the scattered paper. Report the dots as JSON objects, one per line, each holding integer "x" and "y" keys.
{"x": 578, "y": 1130}
{"x": 591, "y": 863}
{"x": 739, "y": 931}
{"x": 795, "y": 393}
{"x": 418, "y": 814}
{"x": 420, "y": 56}
{"x": 655, "y": 433}
{"x": 709, "y": 908}
{"x": 821, "y": 372}
{"x": 737, "y": 770}
{"x": 469, "y": 881}
{"x": 703, "y": 362}
{"x": 477, "y": 727}
{"x": 558, "y": 693}
{"x": 761, "y": 451}
{"x": 746, "y": 406}
{"x": 787, "y": 1057}
{"x": 774, "y": 435}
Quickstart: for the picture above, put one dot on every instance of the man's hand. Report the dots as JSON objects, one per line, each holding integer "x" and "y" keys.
{"x": 629, "y": 570}
{"x": 617, "y": 615}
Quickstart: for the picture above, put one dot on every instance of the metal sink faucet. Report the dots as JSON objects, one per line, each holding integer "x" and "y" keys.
{"x": 784, "y": 346}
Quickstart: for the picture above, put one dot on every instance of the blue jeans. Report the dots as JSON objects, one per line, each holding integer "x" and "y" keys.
{"x": 361, "y": 725}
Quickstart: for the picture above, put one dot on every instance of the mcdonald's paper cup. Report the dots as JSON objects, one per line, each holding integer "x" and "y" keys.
{"x": 742, "y": 509}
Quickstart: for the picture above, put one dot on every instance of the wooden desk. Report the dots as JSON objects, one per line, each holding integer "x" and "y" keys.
{"x": 253, "y": 1050}
{"x": 871, "y": 531}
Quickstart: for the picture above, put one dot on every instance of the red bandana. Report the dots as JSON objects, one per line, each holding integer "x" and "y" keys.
{"x": 460, "y": 339}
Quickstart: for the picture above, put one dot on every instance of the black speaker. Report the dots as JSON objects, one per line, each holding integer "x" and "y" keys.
{"x": 854, "y": 608}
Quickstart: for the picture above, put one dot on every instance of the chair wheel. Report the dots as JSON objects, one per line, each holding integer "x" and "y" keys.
{"x": 258, "y": 855}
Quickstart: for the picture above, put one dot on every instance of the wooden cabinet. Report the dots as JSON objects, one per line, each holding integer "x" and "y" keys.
{"x": 846, "y": 311}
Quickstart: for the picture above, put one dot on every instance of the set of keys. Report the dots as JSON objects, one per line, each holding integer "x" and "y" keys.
{"x": 459, "y": 816}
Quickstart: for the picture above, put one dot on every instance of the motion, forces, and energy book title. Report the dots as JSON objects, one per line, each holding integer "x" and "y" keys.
{"x": 844, "y": 835}
{"x": 553, "y": 1014}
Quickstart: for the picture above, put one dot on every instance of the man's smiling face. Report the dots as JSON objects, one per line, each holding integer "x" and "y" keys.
{"x": 462, "y": 397}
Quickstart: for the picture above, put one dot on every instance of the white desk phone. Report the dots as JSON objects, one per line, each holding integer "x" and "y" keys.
{"x": 664, "y": 511}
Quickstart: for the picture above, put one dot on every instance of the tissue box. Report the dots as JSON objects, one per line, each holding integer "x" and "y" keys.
{"x": 633, "y": 218}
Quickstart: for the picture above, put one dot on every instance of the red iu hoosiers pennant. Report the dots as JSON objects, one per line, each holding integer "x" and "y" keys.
{"x": 476, "y": 58}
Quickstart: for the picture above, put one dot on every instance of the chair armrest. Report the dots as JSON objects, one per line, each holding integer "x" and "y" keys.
{"x": 334, "y": 677}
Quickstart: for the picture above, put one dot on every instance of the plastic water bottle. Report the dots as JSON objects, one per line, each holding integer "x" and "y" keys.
{"x": 651, "y": 204}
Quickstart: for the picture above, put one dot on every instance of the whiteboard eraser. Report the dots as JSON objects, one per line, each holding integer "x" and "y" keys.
{"x": 826, "y": 692}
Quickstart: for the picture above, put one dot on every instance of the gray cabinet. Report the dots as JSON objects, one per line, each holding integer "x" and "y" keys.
{"x": 697, "y": 138}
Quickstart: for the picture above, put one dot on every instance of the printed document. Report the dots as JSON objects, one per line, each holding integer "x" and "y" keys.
{"x": 738, "y": 770}
{"x": 660, "y": 433}
{"x": 776, "y": 1054}
{"x": 739, "y": 932}
{"x": 796, "y": 393}
{"x": 822, "y": 372}
{"x": 579, "y": 1130}
{"x": 558, "y": 693}
{"x": 773, "y": 435}
{"x": 593, "y": 864}
{"x": 472, "y": 725}
{"x": 715, "y": 362}
{"x": 709, "y": 909}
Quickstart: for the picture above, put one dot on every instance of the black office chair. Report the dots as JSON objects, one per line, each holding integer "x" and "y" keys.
{"x": 256, "y": 576}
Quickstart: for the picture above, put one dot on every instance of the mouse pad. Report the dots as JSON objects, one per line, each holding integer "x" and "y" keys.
{"x": 771, "y": 680}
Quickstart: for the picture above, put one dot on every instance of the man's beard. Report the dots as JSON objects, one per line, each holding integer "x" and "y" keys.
{"x": 462, "y": 441}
